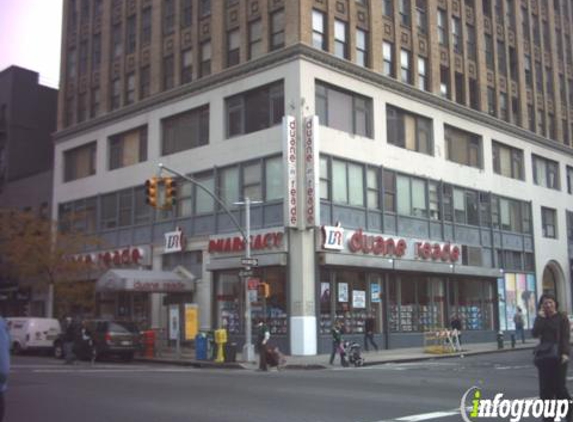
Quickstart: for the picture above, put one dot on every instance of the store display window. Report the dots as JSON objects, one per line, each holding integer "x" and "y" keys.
{"x": 230, "y": 301}
{"x": 350, "y": 297}
{"x": 416, "y": 303}
{"x": 472, "y": 301}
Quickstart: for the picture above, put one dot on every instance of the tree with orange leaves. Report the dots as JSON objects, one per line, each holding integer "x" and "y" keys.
{"x": 34, "y": 251}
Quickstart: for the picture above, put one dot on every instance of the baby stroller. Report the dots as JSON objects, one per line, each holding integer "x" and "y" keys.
{"x": 353, "y": 352}
{"x": 275, "y": 358}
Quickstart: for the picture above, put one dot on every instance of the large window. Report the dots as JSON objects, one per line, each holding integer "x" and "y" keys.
{"x": 416, "y": 303}
{"x": 511, "y": 215}
{"x": 340, "y": 39}
{"x": 549, "y": 222}
{"x": 205, "y": 59}
{"x": 277, "y": 30}
{"x": 443, "y": 35}
{"x": 79, "y": 216}
{"x": 116, "y": 41}
{"x": 185, "y": 131}
{"x": 388, "y": 57}
{"x": 507, "y": 161}
{"x": 168, "y": 17}
{"x": 204, "y": 203}
{"x": 252, "y": 181}
{"x": 80, "y": 162}
{"x": 472, "y": 301}
{"x": 229, "y": 183}
{"x": 255, "y": 110}
{"x": 457, "y": 35}
{"x": 233, "y": 47}
{"x": 186, "y": 13}
{"x": 318, "y": 30}
{"x": 347, "y": 183}
{"x": 128, "y": 148}
{"x": 255, "y": 39}
{"x": 145, "y": 33}
{"x": 361, "y": 48}
{"x": 569, "y": 180}
{"x": 186, "y": 66}
{"x": 423, "y": 73}
{"x": 343, "y": 110}
{"x": 408, "y": 130}
{"x": 463, "y": 147}
{"x": 168, "y": 72}
{"x": 405, "y": 71}
{"x": 349, "y": 297}
{"x": 546, "y": 173}
{"x": 273, "y": 179}
{"x": 324, "y": 179}
{"x": 230, "y": 305}
{"x": 404, "y": 9}
{"x": 411, "y": 193}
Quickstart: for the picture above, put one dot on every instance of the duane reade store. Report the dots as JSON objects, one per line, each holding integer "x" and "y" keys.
{"x": 424, "y": 221}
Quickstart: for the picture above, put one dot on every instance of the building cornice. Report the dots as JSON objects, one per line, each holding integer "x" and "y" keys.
{"x": 318, "y": 57}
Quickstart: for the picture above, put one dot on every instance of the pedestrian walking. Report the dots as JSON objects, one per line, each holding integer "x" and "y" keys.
{"x": 369, "y": 324}
{"x": 552, "y": 353}
{"x": 263, "y": 338}
{"x": 519, "y": 325}
{"x": 69, "y": 340}
{"x": 84, "y": 343}
{"x": 4, "y": 363}
{"x": 337, "y": 346}
{"x": 456, "y": 324}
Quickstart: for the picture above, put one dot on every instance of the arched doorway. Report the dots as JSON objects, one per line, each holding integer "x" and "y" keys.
{"x": 549, "y": 285}
{"x": 553, "y": 282}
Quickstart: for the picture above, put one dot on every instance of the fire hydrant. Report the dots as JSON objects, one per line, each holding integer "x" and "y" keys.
{"x": 220, "y": 340}
{"x": 500, "y": 340}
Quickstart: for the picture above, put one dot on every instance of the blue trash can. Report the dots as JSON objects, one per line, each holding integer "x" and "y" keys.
{"x": 201, "y": 347}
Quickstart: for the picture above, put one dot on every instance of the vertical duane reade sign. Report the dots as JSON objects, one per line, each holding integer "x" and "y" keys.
{"x": 290, "y": 154}
{"x": 311, "y": 166}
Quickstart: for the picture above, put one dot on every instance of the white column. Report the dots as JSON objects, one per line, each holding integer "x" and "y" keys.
{"x": 303, "y": 340}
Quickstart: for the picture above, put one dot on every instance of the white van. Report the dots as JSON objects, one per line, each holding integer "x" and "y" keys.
{"x": 32, "y": 333}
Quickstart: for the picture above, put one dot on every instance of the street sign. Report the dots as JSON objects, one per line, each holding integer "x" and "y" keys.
{"x": 245, "y": 273}
{"x": 249, "y": 262}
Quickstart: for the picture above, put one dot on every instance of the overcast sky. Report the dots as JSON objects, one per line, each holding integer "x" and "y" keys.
{"x": 30, "y": 34}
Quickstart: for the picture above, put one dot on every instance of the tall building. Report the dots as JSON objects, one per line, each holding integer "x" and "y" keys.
{"x": 27, "y": 121}
{"x": 413, "y": 159}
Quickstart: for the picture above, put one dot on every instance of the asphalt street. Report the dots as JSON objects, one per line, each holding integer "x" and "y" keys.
{"x": 42, "y": 389}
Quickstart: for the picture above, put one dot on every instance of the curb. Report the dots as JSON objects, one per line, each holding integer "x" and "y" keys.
{"x": 317, "y": 366}
{"x": 447, "y": 356}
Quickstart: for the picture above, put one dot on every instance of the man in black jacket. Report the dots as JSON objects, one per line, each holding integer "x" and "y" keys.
{"x": 69, "y": 339}
{"x": 552, "y": 328}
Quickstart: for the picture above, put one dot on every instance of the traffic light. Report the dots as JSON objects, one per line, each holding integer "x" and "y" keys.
{"x": 151, "y": 188}
{"x": 170, "y": 192}
{"x": 264, "y": 290}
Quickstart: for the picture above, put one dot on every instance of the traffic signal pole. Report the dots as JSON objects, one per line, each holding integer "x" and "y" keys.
{"x": 248, "y": 348}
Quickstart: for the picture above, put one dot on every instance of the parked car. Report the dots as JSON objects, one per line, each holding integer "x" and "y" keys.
{"x": 32, "y": 334}
{"x": 109, "y": 338}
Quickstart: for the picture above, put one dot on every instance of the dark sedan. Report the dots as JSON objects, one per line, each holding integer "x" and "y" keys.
{"x": 109, "y": 338}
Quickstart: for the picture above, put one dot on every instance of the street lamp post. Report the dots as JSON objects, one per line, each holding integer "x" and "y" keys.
{"x": 248, "y": 349}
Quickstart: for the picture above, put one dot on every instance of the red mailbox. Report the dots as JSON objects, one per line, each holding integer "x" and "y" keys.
{"x": 149, "y": 343}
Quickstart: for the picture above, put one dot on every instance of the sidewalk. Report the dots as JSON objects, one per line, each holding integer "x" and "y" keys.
{"x": 411, "y": 354}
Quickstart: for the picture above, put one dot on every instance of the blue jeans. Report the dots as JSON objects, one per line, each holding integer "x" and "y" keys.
{"x": 520, "y": 333}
